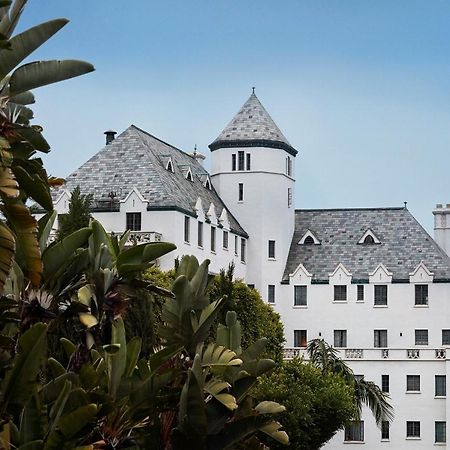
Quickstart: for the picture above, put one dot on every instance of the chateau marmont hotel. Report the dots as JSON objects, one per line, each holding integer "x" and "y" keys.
{"x": 370, "y": 281}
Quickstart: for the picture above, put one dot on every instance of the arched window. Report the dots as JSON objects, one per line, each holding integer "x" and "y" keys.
{"x": 309, "y": 240}
{"x": 369, "y": 239}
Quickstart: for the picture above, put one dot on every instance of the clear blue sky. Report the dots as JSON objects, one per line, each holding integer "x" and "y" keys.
{"x": 360, "y": 87}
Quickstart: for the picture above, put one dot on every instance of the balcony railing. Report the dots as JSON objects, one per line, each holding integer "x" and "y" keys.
{"x": 373, "y": 354}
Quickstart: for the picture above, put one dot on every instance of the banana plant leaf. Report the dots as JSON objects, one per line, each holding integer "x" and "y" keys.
{"x": 41, "y": 73}
{"x": 11, "y": 17}
{"x": 7, "y": 251}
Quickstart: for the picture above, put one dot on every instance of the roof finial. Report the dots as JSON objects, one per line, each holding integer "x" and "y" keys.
{"x": 253, "y": 90}
{"x": 405, "y": 203}
{"x": 195, "y": 150}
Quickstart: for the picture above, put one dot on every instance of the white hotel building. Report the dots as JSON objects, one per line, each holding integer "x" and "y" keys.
{"x": 369, "y": 281}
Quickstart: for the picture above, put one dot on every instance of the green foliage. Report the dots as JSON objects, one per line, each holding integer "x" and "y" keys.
{"x": 317, "y": 404}
{"x": 78, "y": 216}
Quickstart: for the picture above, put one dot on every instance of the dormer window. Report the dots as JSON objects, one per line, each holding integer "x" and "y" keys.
{"x": 189, "y": 175}
{"x": 369, "y": 238}
{"x": 308, "y": 241}
{"x": 169, "y": 166}
{"x": 309, "y": 238}
{"x": 207, "y": 184}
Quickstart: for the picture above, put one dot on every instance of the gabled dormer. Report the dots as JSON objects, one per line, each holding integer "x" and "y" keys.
{"x": 199, "y": 210}
{"x": 167, "y": 163}
{"x": 340, "y": 275}
{"x": 309, "y": 238}
{"x": 223, "y": 219}
{"x": 187, "y": 172}
{"x": 211, "y": 214}
{"x": 380, "y": 275}
{"x": 300, "y": 275}
{"x": 369, "y": 238}
{"x": 204, "y": 178}
{"x": 421, "y": 274}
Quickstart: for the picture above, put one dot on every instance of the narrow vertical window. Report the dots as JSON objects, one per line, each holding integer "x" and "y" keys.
{"x": 241, "y": 192}
{"x": 360, "y": 293}
{"x": 300, "y": 338}
{"x": 242, "y": 250}
{"x": 385, "y": 430}
{"x": 421, "y": 294}
{"x": 445, "y": 337}
{"x": 385, "y": 383}
{"x": 271, "y": 293}
{"x": 225, "y": 240}
{"x": 248, "y": 156}
{"x": 200, "y": 234}
{"x": 186, "y": 228}
{"x": 236, "y": 245}
{"x": 134, "y": 221}
{"x": 440, "y": 385}
{"x": 300, "y": 296}
{"x": 289, "y": 166}
{"x": 233, "y": 162}
{"x": 289, "y": 197}
{"x": 380, "y": 295}
{"x": 241, "y": 157}
{"x": 272, "y": 249}
{"x": 213, "y": 239}
{"x": 439, "y": 432}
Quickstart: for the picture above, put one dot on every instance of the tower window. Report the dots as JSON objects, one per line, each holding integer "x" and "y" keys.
{"x": 241, "y": 160}
{"x": 271, "y": 293}
{"x": 289, "y": 166}
{"x": 290, "y": 198}
{"x": 241, "y": 192}
{"x": 248, "y": 161}
{"x": 134, "y": 221}
{"x": 271, "y": 249}
{"x": 233, "y": 162}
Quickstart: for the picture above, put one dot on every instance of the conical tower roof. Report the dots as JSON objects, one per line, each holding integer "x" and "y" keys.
{"x": 252, "y": 126}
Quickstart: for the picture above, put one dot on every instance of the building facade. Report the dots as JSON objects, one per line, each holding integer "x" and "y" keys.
{"x": 371, "y": 282}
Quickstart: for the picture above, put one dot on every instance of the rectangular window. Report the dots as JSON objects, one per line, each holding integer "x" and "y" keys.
{"x": 134, "y": 221}
{"x": 241, "y": 192}
{"x": 289, "y": 166}
{"x": 421, "y": 337}
{"x": 289, "y": 197}
{"x": 340, "y": 293}
{"x": 300, "y": 339}
{"x": 213, "y": 239}
{"x": 233, "y": 162}
{"x": 271, "y": 293}
{"x": 412, "y": 383}
{"x": 225, "y": 240}
{"x": 271, "y": 249}
{"x": 385, "y": 383}
{"x": 360, "y": 293}
{"x": 340, "y": 338}
{"x": 380, "y": 294}
{"x": 242, "y": 250}
{"x": 200, "y": 234}
{"x": 380, "y": 338}
{"x": 248, "y": 161}
{"x": 385, "y": 430}
{"x": 300, "y": 298}
{"x": 240, "y": 160}
{"x": 439, "y": 432}
{"x": 421, "y": 291}
{"x": 236, "y": 245}
{"x": 354, "y": 431}
{"x": 186, "y": 228}
{"x": 445, "y": 337}
{"x": 440, "y": 385}
{"x": 413, "y": 429}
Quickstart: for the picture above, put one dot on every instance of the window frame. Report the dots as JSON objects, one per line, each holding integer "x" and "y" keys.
{"x": 240, "y": 192}
{"x": 289, "y": 197}
{"x": 225, "y": 242}
{"x": 187, "y": 230}
{"x": 340, "y": 338}
{"x": 247, "y": 161}
{"x": 135, "y": 220}
{"x": 385, "y": 428}
{"x": 236, "y": 245}
{"x": 380, "y": 337}
{"x": 241, "y": 160}
{"x": 419, "y": 298}
{"x": 300, "y": 337}
{"x": 413, "y": 383}
{"x": 380, "y": 295}
{"x": 415, "y": 429}
{"x": 360, "y": 292}
{"x": 385, "y": 383}
{"x": 418, "y": 340}
{"x": 271, "y": 249}
{"x": 213, "y": 239}
{"x": 271, "y": 293}
{"x": 446, "y": 335}
{"x": 200, "y": 234}
{"x": 442, "y": 432}
{"x": 233, "y": 162}
{"x": 300, "y": 295}
{"x": 243, "y": 250}
{"x": 337, "y": 294}
{"x": 352, "y": 434}
{"x": 440, "y": 390}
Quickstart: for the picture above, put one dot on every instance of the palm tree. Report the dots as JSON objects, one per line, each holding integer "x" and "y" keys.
{"x": 326, "y": 358}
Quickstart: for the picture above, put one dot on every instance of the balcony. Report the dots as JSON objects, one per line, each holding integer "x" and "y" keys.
{"x": 376, "y": 354}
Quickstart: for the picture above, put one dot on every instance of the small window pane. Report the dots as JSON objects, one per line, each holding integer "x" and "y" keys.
{"x": 421, "y": 337}
{"x": 445, "y": 337}
{"x": 225, "y": 239}
{"x": 271, "y": 293}
{"x": 300, "y": 339}
{"x": 289, "y": 197}
{"x": 380, "y": 293}
{"x": 440, "y": 386}
{"x": 340, "y": 338}
{"x": 380, "y": 338}
{"x": 421, "y": 294}
{"x": 413, "y": 429}
{"x": 385, "y": 383}
{"x": 248, "y": 161}
{"x": 213, "y": 239}
{"x": 354, "y": 432}
{"x": 134, "y": 221}
{"x": 360, "y": 293}
{"x": 439, "y": 432}
{"x": 241, "y": 192}
{"x": 240, "y": 160}
{"x": 385, "y": 430}
{"x": 200, "y": 234}
{"x": 271, "y": 249}
{"x": 340, "y": 292}
{"x": 186, "y": 229}
{"x": 233, "y": 162}
{"x": 413, "y": 383}
{"x": 300, "y": 295}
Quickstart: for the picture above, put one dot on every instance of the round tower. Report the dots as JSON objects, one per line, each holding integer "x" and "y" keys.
{"x": 253, "y": 172}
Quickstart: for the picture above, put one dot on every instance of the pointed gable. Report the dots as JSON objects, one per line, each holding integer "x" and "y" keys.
{"x": 252, "y": 126}
{"x": 309, "y": 238}
{"x": 380, "y": 275}
{"x": 369, "y": 237}
{"x": 421, "y": 274}
{"x": 300, "y": 275}
{"x": 340, "y": 275}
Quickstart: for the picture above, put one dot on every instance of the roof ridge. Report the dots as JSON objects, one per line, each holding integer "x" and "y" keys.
{"x": 381, "y": 208}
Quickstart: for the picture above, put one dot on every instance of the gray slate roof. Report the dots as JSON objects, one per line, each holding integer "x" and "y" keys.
{"x": 252, "y": 126}
{"x": 136, "y": 159}
{"x": 404, "y": 243}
